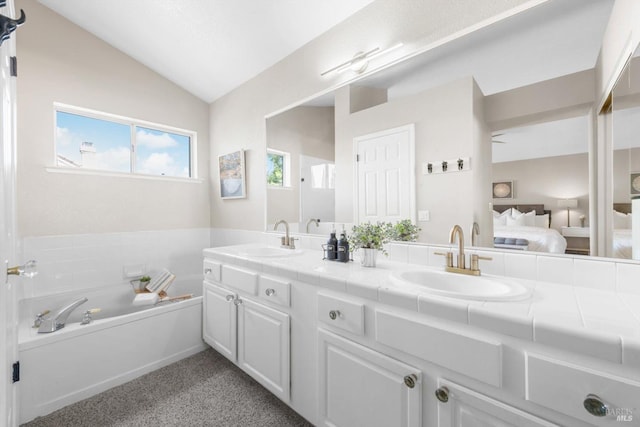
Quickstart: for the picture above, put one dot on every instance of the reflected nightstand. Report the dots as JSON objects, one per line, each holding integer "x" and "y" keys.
{"x": 577, "y": 240}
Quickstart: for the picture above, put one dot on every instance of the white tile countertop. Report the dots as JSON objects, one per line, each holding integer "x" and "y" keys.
{"x": 601, "y": 322}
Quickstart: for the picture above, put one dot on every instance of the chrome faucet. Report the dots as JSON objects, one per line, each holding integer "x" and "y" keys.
{"x": 314, "y": 221}
{"x": 59, "y": 318}
{"x": 456, "y": 231}
{"x": 285, "y": 241}
{"x": 475, "y": 231}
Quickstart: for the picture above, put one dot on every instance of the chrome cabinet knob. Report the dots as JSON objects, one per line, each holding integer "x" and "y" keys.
{"x": 237, "y": 301}
{"x": 442, "y": 394}
{"x": 230, "y": 297}
{"x": 269, "y": 292}
{"x": 207, "y": 270}
{"x": 595, "y": 406}
{"x": 411, "y": 380}
{"x": 334, "y": 314}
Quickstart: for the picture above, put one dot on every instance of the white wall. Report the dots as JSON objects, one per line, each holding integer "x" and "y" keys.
{"x": 237, "y": 119}
{"x": 60, "y": 62}
{"x": 447, "y": 126}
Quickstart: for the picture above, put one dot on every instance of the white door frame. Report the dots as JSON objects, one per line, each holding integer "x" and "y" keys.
{"x": 410, "y": 128}
{"x": 8, "y": 301}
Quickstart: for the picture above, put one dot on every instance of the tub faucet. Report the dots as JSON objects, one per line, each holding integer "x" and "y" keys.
{"x": 286, "y": 241}
{"x": 59, "y": 318}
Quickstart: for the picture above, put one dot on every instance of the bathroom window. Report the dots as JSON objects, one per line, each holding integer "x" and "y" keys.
{"x": 98, "y": 141}
{"x": 278, "y": 168}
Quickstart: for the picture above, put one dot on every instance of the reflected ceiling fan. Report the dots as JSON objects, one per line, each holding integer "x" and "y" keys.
{"x": 497, "y": 141}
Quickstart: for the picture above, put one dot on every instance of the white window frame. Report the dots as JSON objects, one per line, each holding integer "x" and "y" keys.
{"x": 286, "y": 168}
{"x": 132, "y": 123}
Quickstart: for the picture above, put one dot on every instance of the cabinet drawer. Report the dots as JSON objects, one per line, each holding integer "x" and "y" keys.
{"x": 240, "y": 279}
{"x": 274, "y": 290}
{"x": 475, "y": 357}
{"x": 564, "y": 387}
{"x": 341, "y": 313}
{"x": 211, "y": 270}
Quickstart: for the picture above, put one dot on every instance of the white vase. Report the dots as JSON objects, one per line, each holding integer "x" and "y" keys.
{"x": 368, "y": 257}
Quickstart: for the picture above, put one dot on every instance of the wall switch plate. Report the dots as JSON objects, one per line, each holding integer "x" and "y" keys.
{"x": 423, "y": 216}
{"x": 134, "y": 270}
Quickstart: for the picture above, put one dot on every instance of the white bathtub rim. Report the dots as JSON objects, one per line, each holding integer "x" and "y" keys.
{"x": 32, "y": 339}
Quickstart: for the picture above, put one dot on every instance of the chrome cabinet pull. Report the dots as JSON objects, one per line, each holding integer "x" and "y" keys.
{"x": 269, "y": 292}
{"x": 442, "y": 394}
{"x": 207, "y": 270}
{"x": 230, "y": 297}
{"x": 334, "y": 314}
{"x": 410, "y": 380}
{"x": 595, "y": 406}
{"x": 237, "y": 301}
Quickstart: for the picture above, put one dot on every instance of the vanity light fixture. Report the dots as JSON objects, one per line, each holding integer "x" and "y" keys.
{"x": 360, "y": 60}
{"x": 568, "y": 204}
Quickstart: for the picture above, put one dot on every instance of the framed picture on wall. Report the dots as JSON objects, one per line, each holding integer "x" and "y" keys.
{"x": 232, "y": 175}
{"x": 634, "y": 183}
{"x": 502, "y": 190}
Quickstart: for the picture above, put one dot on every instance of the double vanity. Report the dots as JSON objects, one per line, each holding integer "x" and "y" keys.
{"x": 408, "y": 344}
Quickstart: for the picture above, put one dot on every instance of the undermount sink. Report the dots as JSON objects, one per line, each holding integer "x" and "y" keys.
{"x": 453, "y": 285}
{"x": 269, "y": 252}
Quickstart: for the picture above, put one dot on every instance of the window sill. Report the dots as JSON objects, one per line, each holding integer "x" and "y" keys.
{"x": 278, "y": 188}
{"x": 70, "y": 171}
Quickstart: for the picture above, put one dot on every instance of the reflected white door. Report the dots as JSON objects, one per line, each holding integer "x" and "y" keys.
{"x": 385, "y": 166}
{"x": 8, "y": 305}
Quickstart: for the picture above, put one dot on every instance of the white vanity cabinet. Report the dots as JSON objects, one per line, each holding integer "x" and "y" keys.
{"x": 358, "y": 386}
{"x": 459, "y": 406}
{"x": 362, "y": 387}
{"x": 251, "y": 334}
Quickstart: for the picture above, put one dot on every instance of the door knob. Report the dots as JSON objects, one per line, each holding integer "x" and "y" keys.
{"x": 29, "y": 269}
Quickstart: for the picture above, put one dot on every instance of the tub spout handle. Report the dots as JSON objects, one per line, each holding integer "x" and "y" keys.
{"x": 39, "y": 318}
{"x": 86, "y": 317}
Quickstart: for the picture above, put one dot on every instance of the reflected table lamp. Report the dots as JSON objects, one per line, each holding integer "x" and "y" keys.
{"x": 568, "y": 204}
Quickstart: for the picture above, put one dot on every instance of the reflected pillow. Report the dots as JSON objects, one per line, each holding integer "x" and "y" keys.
{"x": 517, "y": 221}
{"x": 501, "y": 218}
{"x": 621, "y": 221}
{"x": 542, "y": 221}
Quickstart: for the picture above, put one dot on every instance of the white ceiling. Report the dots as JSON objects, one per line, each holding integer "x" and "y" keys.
{"x": 208, "y": 47}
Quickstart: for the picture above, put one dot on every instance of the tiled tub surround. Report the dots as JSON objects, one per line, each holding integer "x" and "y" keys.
{"x": 585, "y": 309}
{"x": 83, "y": 261}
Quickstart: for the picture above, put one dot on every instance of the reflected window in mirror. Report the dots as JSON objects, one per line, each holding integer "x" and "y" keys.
{"x": 278, "y": 168}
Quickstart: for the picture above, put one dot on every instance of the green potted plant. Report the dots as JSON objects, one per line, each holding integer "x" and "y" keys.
{"x": 405, "y": 231}
{"x": 371, "y": 239}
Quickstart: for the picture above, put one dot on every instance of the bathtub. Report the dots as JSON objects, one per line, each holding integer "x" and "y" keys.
{"x": 121, "y": 343}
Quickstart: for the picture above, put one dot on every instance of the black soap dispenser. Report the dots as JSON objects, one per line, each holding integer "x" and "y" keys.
{"x": 343, "y": 247}
{"x": 332, "y": 246}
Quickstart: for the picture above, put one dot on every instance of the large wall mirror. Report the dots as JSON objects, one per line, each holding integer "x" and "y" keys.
{"x": 626, "y": 162}
{"x": 452, "y": 94}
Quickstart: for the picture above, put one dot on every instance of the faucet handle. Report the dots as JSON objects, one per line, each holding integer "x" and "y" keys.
{"x": 449, "y": 257}
{"x": 474, "y": 261}
{"x": 39, "y": 318}
{"x": 292, "y": 242}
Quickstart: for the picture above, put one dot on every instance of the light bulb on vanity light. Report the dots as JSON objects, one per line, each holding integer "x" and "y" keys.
{"x": 360, "y": 61}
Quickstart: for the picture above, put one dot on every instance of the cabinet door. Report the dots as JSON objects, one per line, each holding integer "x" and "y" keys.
{"x": 219, "y": 320}
{"x": 263, "y": 346}
{"x": 467, "y": 408}
{"x": 361, "y": 387}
